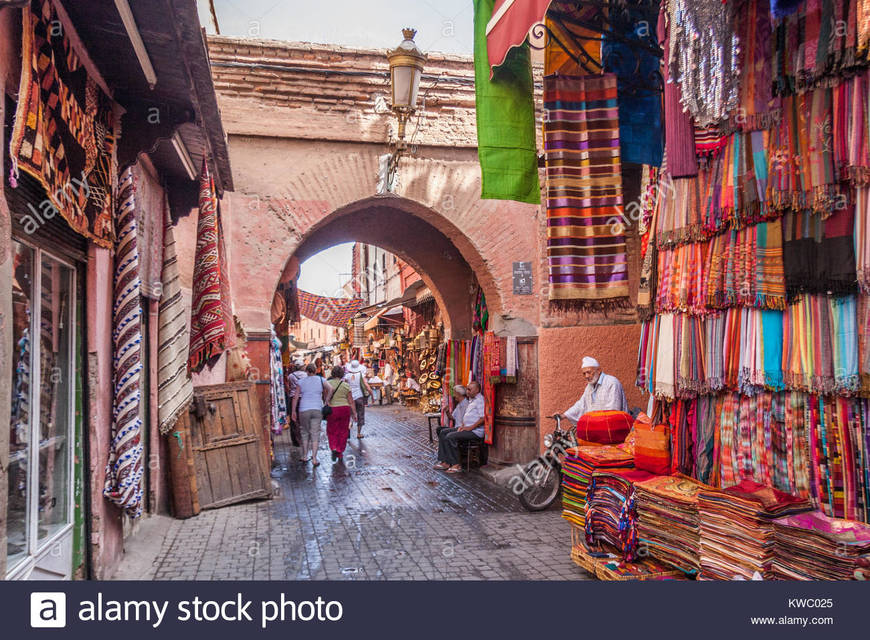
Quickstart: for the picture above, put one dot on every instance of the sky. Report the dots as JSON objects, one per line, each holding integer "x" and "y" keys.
{"x": 443, "y": 26}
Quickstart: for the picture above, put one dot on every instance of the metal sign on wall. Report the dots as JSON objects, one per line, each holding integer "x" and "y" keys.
{"x": 522, "y": 278}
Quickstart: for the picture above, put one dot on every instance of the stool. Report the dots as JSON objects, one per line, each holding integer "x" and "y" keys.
{"x": 430, "y": 417}
{"x": 470, "y": 452}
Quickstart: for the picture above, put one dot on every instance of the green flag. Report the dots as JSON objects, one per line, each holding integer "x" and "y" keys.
{"x": 505, "y": 119}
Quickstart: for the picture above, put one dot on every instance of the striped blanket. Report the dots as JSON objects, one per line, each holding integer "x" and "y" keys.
{"x": 124, "y": 468}
{"x": 174, "y": 386}
{"x": 585, "y": 236}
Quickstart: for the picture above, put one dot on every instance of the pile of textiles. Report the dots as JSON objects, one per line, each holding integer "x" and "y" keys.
{"x": 610, "y": 509}
{"x": 577, "y": 469}
{"x": 812, "y": 546}
{"x": 668, "y": 524}
{"x": 737, "y": 529}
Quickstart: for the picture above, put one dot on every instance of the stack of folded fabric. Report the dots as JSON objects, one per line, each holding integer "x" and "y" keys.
{"x": 577, "y": 468}
{"x": 737, "y": 529}
{"x": 610, "y": 512}
{"x": 812, "y": 546}
{"x": 668, "y": 525}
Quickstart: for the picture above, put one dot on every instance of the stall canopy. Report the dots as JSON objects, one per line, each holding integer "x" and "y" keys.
{"x": 510, "y": 24}
{"x": 382, "y": 315}
{"x": 332, "y": 311}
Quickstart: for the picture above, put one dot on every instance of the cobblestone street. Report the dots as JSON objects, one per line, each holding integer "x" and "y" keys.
{"x": 383, "y": 515}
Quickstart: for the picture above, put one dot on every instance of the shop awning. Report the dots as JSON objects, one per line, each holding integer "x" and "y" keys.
{"x": 510, "y": 24}
{"x": 372, "y": 322}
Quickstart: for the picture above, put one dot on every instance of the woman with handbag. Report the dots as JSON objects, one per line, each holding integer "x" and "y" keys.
{"x": 338, "y": 412}
{"x": 309, "y": 397}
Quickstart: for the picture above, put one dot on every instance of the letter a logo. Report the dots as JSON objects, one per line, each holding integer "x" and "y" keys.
{"x": 47, "y": 610}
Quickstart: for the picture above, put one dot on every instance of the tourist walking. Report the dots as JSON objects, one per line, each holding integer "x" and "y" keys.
{"x": 342, "y": 409}
{"x": 309, "y": 396}
{"x": 360, "y": 390}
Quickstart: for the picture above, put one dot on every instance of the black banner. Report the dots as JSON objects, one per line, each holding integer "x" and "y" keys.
{"x": 435, "y": 609}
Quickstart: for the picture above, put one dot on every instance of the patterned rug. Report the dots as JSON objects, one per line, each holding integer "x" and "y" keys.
{"x": 211, "y": 321}
{"x": 332, "y": 311}
{"x": 585, "y": 238}
{"x": 174, "y": 386}
{"x": 64, "y": 130}
{"x": 124, "y": 469}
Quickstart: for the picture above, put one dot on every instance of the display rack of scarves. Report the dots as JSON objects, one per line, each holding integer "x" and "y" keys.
{"x": 745, "y": 268}
{"x": 820, "y": 345}
{"x": 830, "y": 38}
{"x": 812, "y": 346}
{"x": 728, "y": 192}
{"x": 681, "y": 278}
{"x": 802, "y": 173}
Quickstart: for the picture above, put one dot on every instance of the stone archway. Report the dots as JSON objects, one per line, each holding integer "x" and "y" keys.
{"x": 420, "y": 237}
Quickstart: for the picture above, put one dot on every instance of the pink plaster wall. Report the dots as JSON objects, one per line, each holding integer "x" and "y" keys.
{"x": 107, "y": 541}
{"x": 560, "y": 351}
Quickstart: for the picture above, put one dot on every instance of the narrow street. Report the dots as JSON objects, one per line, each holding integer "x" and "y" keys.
{"x": 384, "y": 515}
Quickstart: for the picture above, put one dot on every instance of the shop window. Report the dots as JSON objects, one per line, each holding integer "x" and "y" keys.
{"x": 41, "y": 424}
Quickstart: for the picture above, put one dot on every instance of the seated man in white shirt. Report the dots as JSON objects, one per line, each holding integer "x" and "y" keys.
{"x": 471, "y": 429}
{"x": 460, "y": 404}
{"x": 603, "y": 392}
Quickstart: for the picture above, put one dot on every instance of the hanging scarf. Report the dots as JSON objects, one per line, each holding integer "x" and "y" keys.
{"x": 679, "y": 131}
{"x": 665, "y": 384}
{"x": 819, "y": 255}
{"x": 680, "y": 279}
{"x": 124, "y": 469}
{"x": 863, "y": 327}
{"x": 278, "y": 401}
{"x": 752, "y": 23}
{"x": 709, "y": 83}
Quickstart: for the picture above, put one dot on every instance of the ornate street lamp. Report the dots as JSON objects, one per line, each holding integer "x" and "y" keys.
{"x": 406, "y": 68}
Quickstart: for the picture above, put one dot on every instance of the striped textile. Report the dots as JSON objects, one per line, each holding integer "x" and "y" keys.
{"x": 124, "y": 468}
{"x": 332, "y": 311}
{"x": 174, "y": 386}
{"x": 585, "y": 238}
{"x": 211, "y": 328}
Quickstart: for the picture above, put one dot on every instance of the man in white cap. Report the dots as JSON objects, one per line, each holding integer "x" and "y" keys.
{"x": 603, "y": 392}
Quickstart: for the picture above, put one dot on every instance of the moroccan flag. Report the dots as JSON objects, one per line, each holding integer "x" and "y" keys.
{"x": 505, "y": 119}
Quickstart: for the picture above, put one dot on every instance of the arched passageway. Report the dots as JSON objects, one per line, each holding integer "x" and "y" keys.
{"x": 420, "y": 237}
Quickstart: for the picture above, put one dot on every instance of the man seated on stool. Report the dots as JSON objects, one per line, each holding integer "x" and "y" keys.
{"x": 603, "y": 392}
{"x": 470, "y": 430}
{"x": 460, "y": 399}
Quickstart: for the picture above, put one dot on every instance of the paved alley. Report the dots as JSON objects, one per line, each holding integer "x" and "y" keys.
{"x": 383, "y": 515}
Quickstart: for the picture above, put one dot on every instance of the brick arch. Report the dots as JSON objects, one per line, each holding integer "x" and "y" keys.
{"x": 447, "y": 261}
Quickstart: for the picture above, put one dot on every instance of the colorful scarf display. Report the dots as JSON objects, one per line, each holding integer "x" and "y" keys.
{"x": 861, "y": 238}
{"x": 64, "y": 128}
{"x": 819, "y": 43}
{"x": 585, "y": 236}
{"x": 745, "y": 268}
{"x": 211, "y": 320}
{"x": 681, "y": 279}
{"x": 124, "y": 469}
{"x": 278, "y": 402}
{"x": 175, "y": 388}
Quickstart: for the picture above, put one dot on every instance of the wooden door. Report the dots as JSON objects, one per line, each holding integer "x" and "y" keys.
{"x": 228, "y": 449}
{"x": 516, "y": 437}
